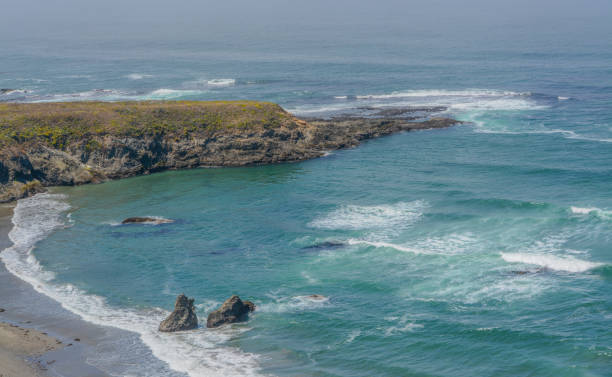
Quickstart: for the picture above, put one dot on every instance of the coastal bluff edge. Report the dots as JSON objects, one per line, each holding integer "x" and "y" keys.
{"x": 74, "y": 143}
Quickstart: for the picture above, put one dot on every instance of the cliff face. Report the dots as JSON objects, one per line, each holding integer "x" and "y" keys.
{"x": 71, "y": 144}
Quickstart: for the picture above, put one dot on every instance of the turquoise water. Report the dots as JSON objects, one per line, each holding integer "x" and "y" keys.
{"x": 479, "y": 250}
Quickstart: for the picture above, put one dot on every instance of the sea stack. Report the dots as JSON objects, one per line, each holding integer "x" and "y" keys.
{"x": 233, "y": 310}
{"x": 182, "y": 318}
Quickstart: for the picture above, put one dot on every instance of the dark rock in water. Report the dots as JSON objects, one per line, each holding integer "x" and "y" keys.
{"x": 146, "y": 220}
{"x": 233, "y": 310}
{"x": 317, "y": 297}
{"x": 2, "y": 310}
{"x": 520, "y": 272}
{"x": 325, "y": 245}
{"x": 182, "y": 318}
{"x": 525, "y": 272}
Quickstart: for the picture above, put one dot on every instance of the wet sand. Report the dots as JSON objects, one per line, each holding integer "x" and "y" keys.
{"x": 37, "y": 336}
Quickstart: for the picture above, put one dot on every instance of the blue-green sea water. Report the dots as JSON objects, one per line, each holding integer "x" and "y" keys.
{"x": 480, "y": 250}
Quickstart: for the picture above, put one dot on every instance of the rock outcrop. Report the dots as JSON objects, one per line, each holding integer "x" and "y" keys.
{"x": 53, "y": 144}
{"x": 182, "y": 318}
{"x": 233, "y": 310}
{"x": 146, "y": 220}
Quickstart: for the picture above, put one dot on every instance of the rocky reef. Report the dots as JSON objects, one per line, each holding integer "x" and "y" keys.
{"x": 146, "y": 220}
{"x": 182, "y": 318}
{"x": 73, "y": 143}
{"x": 233, "y": 310}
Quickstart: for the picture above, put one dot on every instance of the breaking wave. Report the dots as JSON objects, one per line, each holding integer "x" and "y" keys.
{"x": 552, "y": 262}
{"x": 591, "y": 211}
{"x": 457, "y": 100}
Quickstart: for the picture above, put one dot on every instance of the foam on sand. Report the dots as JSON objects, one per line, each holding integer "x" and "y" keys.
{"x": 552, "y": 262}
{"x": 197, "y": 353}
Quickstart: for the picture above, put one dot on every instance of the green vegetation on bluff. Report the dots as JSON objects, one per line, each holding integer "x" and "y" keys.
{"x": 57, "y": 124}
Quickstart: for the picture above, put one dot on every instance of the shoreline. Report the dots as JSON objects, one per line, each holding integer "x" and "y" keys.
{"x": 37, "y": 336}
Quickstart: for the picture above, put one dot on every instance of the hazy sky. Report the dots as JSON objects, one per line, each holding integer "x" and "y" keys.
{"x": 183, "y": 18}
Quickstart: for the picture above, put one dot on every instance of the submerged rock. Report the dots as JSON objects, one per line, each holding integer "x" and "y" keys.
{"x": 182, "y": 318}
{"x": 325, "y": 245}
{"x": 146, "y": 220}
{"x": 233, "y": 310}
{"x": 526, "y": 272}
{"x": 316, "y": 297}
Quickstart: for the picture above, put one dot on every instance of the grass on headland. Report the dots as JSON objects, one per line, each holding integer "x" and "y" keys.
{"x": 57, "y": 124}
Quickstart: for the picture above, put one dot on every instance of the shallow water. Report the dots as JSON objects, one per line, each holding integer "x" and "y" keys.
{"x": 483, "y": 249}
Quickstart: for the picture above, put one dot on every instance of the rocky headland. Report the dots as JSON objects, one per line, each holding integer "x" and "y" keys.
{"x": 73, "y": 143}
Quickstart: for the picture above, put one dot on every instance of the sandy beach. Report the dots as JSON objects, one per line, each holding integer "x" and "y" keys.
{"x": 37, "y": 336}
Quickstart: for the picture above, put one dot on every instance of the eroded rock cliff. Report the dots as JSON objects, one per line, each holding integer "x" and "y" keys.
{"x": 50, "y": 144}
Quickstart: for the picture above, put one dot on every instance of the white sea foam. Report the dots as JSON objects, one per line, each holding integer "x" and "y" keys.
{"x": 309, "y": 278}
{"x": 553, "y": 262}
{"x": 458, "y": 100}
{"x": 95, "y": 94}
{"x": 593, "y": 211}
{"x": 583, "y": 211}
{"x": 448, "y": 245}
{"x": 560, "y": 98}
{"x": 197, "y": 353}
{"x": 221, "y": 82}
{"x": 352, "y": 336}
{"x": 389, "y": 245}
{"x": 386, "y": 216}
{"x": 13, "y": 92}
{"x": 446, "y": 93}
{"x": 293, "y": 304}
{"x": 138, "y": 76}
{"x": 403, "y": 324}
{"x": 165, "y": 93}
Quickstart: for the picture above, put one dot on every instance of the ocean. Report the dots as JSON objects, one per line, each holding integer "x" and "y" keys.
{"x": 479, "y": 250}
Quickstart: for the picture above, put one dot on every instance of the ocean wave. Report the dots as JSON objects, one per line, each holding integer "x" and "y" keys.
{"x": 593, "y": 211}
{"x": 481, "y": 127}
{"x": 448, "y": 245}
{"x": 389, "y": 245}
{"x": 164, "y": 93}
{"x": 94, "y": 94}
{"x": 454, "y": 100}
{"x": 221, "y": 82}
{"x": 197, "y": 353}
{"x": 118, "y": 95}
{"x": 386, "y": 216}
{"x": 552, "y": 262}
{"x": 11, "y": 92}
{"x": 293, "y": 304}
{"x": 138, "y": 76}
{"x": 445, "y": 93}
